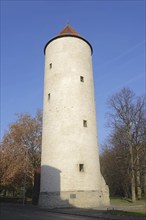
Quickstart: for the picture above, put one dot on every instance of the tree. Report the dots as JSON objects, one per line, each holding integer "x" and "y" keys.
{"x": 127, "y": 122}
{"x": 20, "y": 151}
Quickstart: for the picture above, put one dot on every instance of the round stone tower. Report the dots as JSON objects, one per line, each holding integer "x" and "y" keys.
{"x": 70, "y": 169}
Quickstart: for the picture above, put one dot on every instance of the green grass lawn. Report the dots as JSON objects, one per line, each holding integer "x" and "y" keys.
{"x": 132, "y": 212}
{"x": 122, "y": 201}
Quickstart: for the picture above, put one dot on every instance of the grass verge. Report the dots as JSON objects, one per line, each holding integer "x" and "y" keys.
{"x": 124, "y": 202}
{"x": 133, "y": 212}
{"x": 130, "y": 213}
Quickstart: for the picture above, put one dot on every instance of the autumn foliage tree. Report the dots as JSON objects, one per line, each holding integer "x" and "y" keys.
{"x": 123, "y": 157}
{"x": 20, "y": 152}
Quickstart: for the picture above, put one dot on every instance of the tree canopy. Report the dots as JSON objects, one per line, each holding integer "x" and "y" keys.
{"x": 124, "y": 156}
{"x": 20, "y": 151}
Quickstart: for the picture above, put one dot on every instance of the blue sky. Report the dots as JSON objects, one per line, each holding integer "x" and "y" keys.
{"x": 115, "y": 29}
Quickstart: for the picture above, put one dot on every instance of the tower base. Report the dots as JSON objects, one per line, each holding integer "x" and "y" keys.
{"x": 80, "y": 199}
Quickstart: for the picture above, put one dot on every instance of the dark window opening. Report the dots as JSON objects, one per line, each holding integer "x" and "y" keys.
{"x": 84, "y": 123}
{"x": 49, "y": 96}
{"x": 81, "y": 167}
{"x": 81, "y": 78}
{"x": 50, "y": 65}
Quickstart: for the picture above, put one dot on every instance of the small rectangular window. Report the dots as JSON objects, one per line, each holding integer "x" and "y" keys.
{"x": 84, "y": 123}
{"x": 81, "y": 78}
{"x": 72, "y": 196}
{"x": 50, "y": 65}
{"x": 49, "y": 96}
{"x": 81, "y": 167}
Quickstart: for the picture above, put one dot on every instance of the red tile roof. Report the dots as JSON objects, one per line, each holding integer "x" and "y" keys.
{"x": 68, "y": 30}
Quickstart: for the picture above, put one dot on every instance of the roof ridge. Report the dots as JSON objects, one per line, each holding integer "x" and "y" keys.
{"x": 68, "y": 30}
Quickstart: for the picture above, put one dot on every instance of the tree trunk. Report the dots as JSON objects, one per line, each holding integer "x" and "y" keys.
{"x": 145, "y": 184}
{"x": 133, "y": 194}
{"x": 145, "y": 177}
{"x": 139, "y": 196}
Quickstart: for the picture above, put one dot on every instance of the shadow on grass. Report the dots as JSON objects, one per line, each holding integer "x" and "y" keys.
{"x": 132, "y": 213}
{"x": 102, "y": 213}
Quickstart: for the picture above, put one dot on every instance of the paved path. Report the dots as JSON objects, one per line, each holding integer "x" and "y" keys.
{"x": 20, "y": 212}
{"x": 29, "y": 212}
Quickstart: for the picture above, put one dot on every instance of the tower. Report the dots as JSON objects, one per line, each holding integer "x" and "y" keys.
{"x": 70, "y": 169}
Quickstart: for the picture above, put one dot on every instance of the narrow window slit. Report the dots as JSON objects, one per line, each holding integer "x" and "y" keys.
{"x": 84, "y": 123}
{"x": 81, "y": 78}
{"x": 50, "y": 65}
{"x": 81, "y": 167}
{"x": 49, "y": 96}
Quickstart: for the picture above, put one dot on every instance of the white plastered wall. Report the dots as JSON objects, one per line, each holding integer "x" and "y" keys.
{"x": 66, "y": 143}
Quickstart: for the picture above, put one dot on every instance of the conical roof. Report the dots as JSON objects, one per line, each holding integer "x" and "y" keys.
{"x": 68, "y": 31}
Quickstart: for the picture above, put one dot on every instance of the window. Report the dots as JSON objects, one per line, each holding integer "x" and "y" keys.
{"x": 72, "y": 196}
{"x": 81, "y": 167}
{"x": 50, "y": 65}
{"x": 81, "y": 78}
{"x": 84, "y": 123}
{"x": 49, "y": 96}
